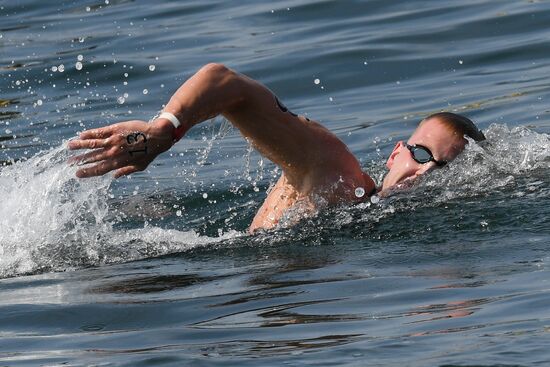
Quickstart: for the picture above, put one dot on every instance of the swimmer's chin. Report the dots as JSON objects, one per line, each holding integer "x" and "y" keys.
{"x": 403, "y": 184}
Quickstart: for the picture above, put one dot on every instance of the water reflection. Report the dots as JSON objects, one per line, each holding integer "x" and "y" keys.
{"x": 154, "y": 283}
{"x": 266, "y": 348}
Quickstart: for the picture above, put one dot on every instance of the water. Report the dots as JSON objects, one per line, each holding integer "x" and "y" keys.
{"x": 157, "y": 269}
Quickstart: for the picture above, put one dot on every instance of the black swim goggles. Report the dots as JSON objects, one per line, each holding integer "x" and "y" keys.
{"x": 422, "y": 155}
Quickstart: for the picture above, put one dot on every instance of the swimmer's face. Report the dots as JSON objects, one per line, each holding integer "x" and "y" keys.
{"x": 444, "y": 143}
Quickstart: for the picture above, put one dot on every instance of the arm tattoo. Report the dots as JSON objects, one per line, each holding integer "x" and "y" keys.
{"x": 283, "y": 108}
{"x": 136, "y": 138}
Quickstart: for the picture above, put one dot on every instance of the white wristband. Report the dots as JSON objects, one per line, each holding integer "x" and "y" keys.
{"x": 173, "y": 119}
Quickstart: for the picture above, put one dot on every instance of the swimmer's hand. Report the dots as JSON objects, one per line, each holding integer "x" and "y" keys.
{"x": 124, "y": 148}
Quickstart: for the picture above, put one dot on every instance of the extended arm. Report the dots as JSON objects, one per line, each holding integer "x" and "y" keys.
{"x": 303, "y": 149}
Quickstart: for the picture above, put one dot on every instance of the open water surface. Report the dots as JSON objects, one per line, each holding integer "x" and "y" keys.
{"x": 158, "y": 270}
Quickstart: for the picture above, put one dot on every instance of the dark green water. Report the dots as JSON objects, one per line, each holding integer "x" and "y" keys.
{"x": 157, "y": 269}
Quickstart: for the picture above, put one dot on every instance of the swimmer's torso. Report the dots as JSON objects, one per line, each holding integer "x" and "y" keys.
{"x": 283, "y": 196}
{"x": 279, "y": 199}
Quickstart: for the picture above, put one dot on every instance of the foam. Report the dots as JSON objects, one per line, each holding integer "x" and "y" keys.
{"x": 51, "y": 220}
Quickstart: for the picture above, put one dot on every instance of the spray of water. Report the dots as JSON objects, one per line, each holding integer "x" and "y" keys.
{"x": 492, "y": 165}
{"x": 50, "y": 220}
{"x": 510, "y": 160}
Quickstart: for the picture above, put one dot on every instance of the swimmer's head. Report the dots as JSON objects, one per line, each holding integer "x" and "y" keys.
{"x": 438, "y": 139}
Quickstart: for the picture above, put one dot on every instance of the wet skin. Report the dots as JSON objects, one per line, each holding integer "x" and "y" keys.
{"x": 444, "y": 144}
{"x": 317, "y": 166}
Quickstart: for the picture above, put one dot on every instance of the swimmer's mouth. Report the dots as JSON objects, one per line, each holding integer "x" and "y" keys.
{"x": 404, "y": 183}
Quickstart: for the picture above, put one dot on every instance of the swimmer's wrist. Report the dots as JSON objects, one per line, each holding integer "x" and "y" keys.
{"x": 170, "y": 124}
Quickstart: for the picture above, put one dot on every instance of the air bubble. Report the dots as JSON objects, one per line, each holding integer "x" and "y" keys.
{"x": 359, "y": 192}
{"x": 460, "y": 62}
{"x": 178, "y": 213}
{"x": 61, "y": 68}
{"x": 78, "y": 65}
{"x": 375, "y": 199}
{"x": 39, "y": 102}
{"x": 152, "y": 67}
{"x": 88, "y": 9}
{"x": 205, "y": 196}
{"x": 54, "y": 68}
{"x": 316, "y": 81}
{"x": 121, "y": 100}
{"x": 80, "y": 57}
{"x": 145, "y": 91}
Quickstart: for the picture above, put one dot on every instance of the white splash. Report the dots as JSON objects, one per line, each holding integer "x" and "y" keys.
{"x": 513, "y": 161}
{"x": 43, "y": 203}
{"x": 50, "y": 220}
{"x": 492, "y": 164}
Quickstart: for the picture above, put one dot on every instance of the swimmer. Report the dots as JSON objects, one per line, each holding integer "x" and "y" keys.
{"x": 316, "y": 165}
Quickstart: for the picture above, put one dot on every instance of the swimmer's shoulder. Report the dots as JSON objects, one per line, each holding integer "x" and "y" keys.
{"x": 370, "y": 185}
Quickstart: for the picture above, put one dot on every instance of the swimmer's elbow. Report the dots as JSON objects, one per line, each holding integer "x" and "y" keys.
{"x": 219, "y": 75}
{"x": 215, "y": 70}
{"x": 227, "y": 82}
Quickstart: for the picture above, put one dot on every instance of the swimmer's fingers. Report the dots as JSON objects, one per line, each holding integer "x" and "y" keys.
{"x": 101, "y": 168}
{"x": 100, "y": 133}
{"x": 92, "y": 157}
{"x": 89, "y": 144}
{"x": 126, "y": 171}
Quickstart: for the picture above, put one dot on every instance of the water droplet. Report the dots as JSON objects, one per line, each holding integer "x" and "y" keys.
{"x": 106, "y": 2}
{"x": 78, "y": 65}
{"x": 54, "y": 68}
{"x": 39, "y": 102}
{"x": 88, "y": 8}
{"x": 126, "y": 75}
{"x": 178, "y": 213}
{"x": 145, "y": 91}
{"x": 460, "y": 62}
{"x": 121, "y": 100}
{"x": 80, "y": 57}
{"x": 205, "y": 195}
{"x": 18, "y": 82}
{"x": 81, "y": 39}
{"x": 152, "y": 67}
{"x": 374, "y": 199}
{"x": 359, "y": 192}
{"x": 61, "y": 68}
{"x": 316, "y": 81}
{"x": 330, "y": 99}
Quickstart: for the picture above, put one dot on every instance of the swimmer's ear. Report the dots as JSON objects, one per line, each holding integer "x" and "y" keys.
{"x": 394, "y": 153}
